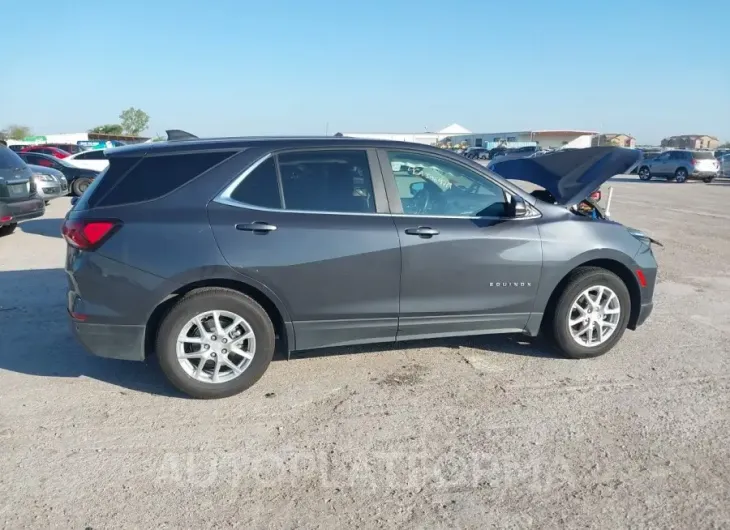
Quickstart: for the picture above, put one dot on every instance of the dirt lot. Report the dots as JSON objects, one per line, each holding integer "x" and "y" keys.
{"x": 478, "y": 433}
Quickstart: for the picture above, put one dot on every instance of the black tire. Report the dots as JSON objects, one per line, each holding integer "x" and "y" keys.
{"x": 708, "y": 180}
{"x": 210, "y": 299}
{"x": 79, "y": 186}
{"x": 644, "y": 173}
{"x": 556, "y": 325}
{"x": 8, "y": 229}
{"x": 680, "y": 175}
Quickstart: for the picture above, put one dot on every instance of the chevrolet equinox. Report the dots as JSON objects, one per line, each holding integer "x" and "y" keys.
{"x": 204, "y": 252}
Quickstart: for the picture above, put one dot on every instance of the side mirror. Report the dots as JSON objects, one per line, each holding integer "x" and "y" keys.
{"x": 416, "y": 187}
{"x": 518, "y": 206}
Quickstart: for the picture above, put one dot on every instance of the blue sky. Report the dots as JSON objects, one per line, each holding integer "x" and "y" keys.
{"x": 224, "y": 67}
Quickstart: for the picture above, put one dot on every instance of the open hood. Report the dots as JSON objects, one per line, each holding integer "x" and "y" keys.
{"x": 571, "y": 175}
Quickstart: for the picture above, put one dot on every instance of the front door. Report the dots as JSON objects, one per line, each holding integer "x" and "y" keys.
{"x": 466, "y": 267}
{"x": 313, "y": 228}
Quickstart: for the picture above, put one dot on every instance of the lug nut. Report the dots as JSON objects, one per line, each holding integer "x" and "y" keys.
{"x": 213, "y": 337}
{"x": 225, "y": 340}
{"x": 206, "y": 347}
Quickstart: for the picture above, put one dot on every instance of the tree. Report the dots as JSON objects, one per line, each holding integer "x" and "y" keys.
{"x": 111, "y": 128}
{"x": 134, "y": 121}
{"x": 726, "y": 145}
{"x": 17, "y": 132}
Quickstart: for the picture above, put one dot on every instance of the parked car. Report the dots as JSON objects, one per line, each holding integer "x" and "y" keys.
{"x": 725, "y": 165}
{"x": 78, "y": 178}
{"x": 49, "y": 183}
{"x": 69, "y": 148}
{"x": 513, "y": 153}
{"x": 18, "y": 198}
{"x": 332, "y": 241}
{"x": 43, "y": 149}
{"x": 681, "y": 165}
{"x": 479, "y": 153}
{"x": 91, "y": 159}
{"x": 721, "y": 153}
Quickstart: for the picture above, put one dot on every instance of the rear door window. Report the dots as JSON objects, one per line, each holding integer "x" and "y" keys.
{"x": 327, "y": 181}
{"x": 260, "y": 187}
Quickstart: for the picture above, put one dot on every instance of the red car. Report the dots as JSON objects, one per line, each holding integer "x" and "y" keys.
{"x": 46, "y": 150}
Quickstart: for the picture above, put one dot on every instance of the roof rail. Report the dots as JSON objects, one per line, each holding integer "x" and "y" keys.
{"x": 178, "y": 134}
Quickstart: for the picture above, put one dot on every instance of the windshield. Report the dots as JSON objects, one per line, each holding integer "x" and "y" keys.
{"x": 9, "y": 159}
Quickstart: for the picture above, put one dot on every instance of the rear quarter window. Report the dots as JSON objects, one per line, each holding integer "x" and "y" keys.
{"x": 133, "y": 180}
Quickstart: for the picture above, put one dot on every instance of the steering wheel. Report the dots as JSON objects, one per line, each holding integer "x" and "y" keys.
{"x": 422, "y": 200}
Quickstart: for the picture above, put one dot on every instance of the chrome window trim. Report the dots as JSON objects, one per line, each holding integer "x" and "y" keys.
{"x": 225, "y": 198}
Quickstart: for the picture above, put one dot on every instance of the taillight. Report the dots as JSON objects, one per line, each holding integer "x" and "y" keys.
{"x": 87, "y": 235}
{"x": 694, "y": 161}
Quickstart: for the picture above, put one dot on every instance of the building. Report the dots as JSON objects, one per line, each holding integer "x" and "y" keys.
{"x": 619, "y": 140}
{"x": 544, "y": 138}
{"x": 425, "y": 137}
{"x": 691, "y": 141}
{"x": 456, "y": 134}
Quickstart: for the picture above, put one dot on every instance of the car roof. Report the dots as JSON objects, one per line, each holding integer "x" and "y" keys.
{"x": 264, "y": 142}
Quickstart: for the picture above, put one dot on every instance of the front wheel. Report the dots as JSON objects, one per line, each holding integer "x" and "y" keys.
{"x": 645, "y": 173}
{"x": 80, "y": 185}
{"x": 680, "y": 175}
{"x": 591, "y": 314}
{"x": 215, "y": 343}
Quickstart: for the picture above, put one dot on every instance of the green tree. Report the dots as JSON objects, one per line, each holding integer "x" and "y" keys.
{"x": 111, "y": 128}
{"x": 134, "y": 121}
{"x": 17, "y": 132}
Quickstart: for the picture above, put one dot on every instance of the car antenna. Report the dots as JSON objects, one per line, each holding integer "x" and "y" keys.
{"x": 178, "y": 134}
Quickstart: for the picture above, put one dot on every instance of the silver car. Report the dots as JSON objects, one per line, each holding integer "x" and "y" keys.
{"x": 50, "y": 183}
{"x": 681, "y": 165}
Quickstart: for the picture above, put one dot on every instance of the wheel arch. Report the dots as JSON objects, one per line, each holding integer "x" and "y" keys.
{"x": 268, "y": 301}
{"x": 618, "y": 268}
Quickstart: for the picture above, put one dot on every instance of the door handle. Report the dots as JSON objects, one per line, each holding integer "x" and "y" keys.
{"x": 422, "y": 231}
{"x": 258, "y": 226}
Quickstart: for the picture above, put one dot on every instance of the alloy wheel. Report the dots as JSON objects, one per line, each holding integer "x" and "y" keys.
{"x": 216, "y": 346}
{"x": 594, "y": 316}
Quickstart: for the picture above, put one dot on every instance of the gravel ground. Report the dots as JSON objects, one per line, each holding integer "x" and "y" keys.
{"x": 485, "y": 432}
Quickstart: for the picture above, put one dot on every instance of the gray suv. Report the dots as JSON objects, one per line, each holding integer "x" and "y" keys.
{"x": 680, "y": 166}
{"x": 207, "y": 252}
{"x": 19, "y": 200}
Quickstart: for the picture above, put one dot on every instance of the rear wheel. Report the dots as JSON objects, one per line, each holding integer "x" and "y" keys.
{"x": 8, "y": 229}
{"x": 680, "y": 175}
{"x": 644, "y": 173}
{"x": 215, "y": 343}
{"x": 80, "y": 185}
{"x": 707, "y": 180}
{"x": 590, "y": 315}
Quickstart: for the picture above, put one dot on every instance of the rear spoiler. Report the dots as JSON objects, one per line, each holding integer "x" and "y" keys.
{"x": 178, "y": 134}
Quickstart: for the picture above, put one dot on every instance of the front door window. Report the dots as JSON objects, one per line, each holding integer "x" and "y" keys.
{"x": 432, "y": 186}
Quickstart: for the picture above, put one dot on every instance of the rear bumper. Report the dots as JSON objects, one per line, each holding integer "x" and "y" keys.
{"x": 111, "y": 341}
{"x": 703, "y": 174}
{"x": 21, "y": 211}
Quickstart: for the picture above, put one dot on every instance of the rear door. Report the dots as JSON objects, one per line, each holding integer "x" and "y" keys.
{"x": 312, "y": 226}
{"x": 466, "y": 267}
